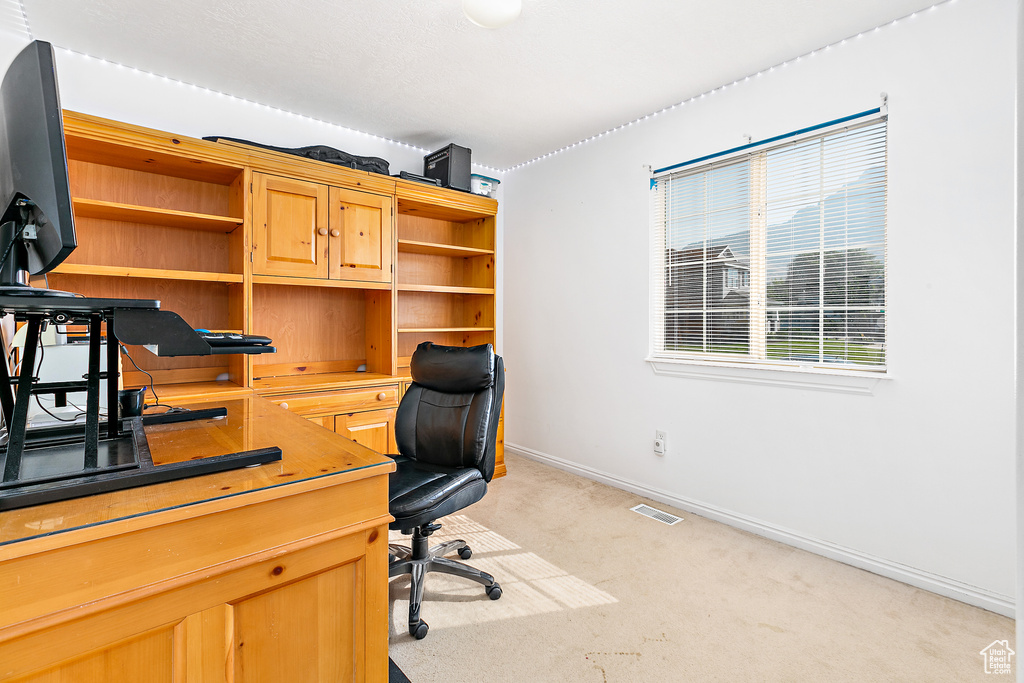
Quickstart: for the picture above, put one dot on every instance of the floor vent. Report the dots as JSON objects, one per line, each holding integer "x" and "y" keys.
{"x": 648, "y": 511}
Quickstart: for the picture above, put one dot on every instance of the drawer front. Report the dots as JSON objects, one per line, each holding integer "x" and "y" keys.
{"x": 341, "y": 401}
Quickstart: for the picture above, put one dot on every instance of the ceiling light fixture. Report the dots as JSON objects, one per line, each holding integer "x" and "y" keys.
{"x": 492, "y": 13}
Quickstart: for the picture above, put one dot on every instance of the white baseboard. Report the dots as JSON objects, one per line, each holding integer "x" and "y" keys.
{"x": 950, "y": 588}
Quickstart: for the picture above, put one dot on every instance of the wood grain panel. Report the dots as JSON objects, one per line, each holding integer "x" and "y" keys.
{"x": 113, "y": 211}
{"x": 374, "y": 429}
{"x": 450, "y": 289}
{"x": 343, "y": 401}
{"x": 122, "y": 243}
{"x": 478, "y": 272}
{"x": 325, "y": 421}
{"x": 303, "y": 631}
{"x": 476, "y": 233}
{"x": 380, "y": 332}
{"x": 413, "y": 247}
{"x": 127, "y": 186}
{"x": 293, "y": 375}
{"x": 99, "y": 140}
{"x": 152, "y": 556}
{"x": 146, "y": 658}
{"x": 205, "y": 646}
{"x": 499, "y": 459}
{"x": 206, "y": 376}
{"x": 360, "y": 238}
{"x": 310, "y": 324}
{"x": 407, "y": 342}
{"x": 290, "y": 221}
{"x": 59, "y": 637}
{"x": 326, "y": 381}
{"x": 436, "y": 202}
{"x": 427, "y": 309}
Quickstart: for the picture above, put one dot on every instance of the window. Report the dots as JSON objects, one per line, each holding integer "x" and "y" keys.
{"x": 776, "y": 257}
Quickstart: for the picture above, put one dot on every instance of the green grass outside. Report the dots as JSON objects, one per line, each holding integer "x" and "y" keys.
{"x": 786, "y": 348}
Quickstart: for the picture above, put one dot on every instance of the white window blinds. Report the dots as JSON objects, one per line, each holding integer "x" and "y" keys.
{"x": 775, "y": 257}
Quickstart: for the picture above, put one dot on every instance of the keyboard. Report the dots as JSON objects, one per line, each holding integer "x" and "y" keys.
{"x": 233, "y": 339}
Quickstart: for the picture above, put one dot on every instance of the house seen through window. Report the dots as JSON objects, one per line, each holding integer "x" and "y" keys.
{"x": 777, "y": 256}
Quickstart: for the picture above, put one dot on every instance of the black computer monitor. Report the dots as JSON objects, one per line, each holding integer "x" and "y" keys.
{"x": 37, "y": 227}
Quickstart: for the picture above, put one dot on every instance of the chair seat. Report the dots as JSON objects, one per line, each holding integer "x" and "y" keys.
{"x": 420, "y": 493}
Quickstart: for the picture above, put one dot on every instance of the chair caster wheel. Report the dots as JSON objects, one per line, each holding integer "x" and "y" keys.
{"x": 493, "y": 592}
{"x": 465, "y": 553}
{"x": 419, "y": 631}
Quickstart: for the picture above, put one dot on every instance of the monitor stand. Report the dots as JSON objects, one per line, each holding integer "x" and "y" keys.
{"x": 15, "y": 263}
{"x": 46, "y": 465}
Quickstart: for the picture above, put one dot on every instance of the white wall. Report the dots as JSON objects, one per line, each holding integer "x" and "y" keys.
{"x": 94, "y": 87}
{"x": 12, "y": 40}
{"x": 916, "y": 480}
{"x": 1019, "y": 376}
{"x": 121, "y": 93}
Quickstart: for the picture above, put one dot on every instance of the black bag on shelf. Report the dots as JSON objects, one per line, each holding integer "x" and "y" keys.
{"x": 321, "y": 153}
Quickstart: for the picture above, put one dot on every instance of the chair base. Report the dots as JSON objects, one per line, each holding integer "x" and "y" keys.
{"x": 420, "y": 559}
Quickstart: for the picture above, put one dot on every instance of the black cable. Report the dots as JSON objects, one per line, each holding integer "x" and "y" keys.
{"x": 152, "y": 388}
{"x": 156, "y": 399}
{"x": 39, "y": 367}
{"x": 10, "y": 245}
{"x": 58, "y": 418}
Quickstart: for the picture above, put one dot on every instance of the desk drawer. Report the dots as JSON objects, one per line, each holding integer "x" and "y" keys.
{"x": 341, "y": 401}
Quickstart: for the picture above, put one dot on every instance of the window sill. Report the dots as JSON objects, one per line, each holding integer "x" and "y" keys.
{"x": 817, "y": 379}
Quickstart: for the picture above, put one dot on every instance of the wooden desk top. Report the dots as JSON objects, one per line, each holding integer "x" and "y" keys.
{"x": 312, "y": 457}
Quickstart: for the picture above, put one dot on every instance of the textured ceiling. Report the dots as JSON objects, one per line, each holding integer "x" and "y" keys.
{"x": 417, "y": 71}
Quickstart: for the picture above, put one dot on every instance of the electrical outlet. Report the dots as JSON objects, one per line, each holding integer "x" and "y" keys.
{"x": 660, "y": 442}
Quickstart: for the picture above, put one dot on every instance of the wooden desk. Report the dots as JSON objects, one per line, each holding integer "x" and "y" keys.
{"x": 271, "y": 573}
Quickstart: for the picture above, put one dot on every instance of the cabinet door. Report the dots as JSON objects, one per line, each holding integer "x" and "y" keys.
{"x": 374, "y": 429}
{"x": 146, "y": 657}
{"x": 311, "y": 609}
{"x": 324, "y": 421}
{"x": 360, "y": 225}
{"x": 290, "y": 227}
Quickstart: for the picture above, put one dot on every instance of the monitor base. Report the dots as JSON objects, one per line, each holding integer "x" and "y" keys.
{"x": 17, "y": 289}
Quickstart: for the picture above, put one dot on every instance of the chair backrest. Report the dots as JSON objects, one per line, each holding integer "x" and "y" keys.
{"x": 449, "y": 414}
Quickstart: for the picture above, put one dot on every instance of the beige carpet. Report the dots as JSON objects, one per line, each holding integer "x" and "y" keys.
{"x": 595, "y": 592}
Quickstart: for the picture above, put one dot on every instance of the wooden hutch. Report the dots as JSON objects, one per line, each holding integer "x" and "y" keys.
{"x": 347, "y": 271}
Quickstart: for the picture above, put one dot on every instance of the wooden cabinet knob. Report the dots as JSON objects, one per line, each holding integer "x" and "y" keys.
{"x": 381, "y": 396}
{"x": 285, "y": 406}
{"x": 321, "y": 231}
{"x": 335, "y": 233}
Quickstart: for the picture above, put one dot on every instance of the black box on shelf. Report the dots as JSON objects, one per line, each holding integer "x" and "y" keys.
{"x": 450, "y": 165}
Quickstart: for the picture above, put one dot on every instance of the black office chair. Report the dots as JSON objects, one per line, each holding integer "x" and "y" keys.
{"x": 446, "y": 428}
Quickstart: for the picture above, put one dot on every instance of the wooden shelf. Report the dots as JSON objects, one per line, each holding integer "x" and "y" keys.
{"x": 445, "y": 289}
{"x": 437, "y": 330}
{"x": 113, "y": 211}
{"x": 150, "y": 273}
{"x": 316, "y": 282}
{"x": 414, "y": 247}
{"x": 270, "y": 386}
{"x": 95, "y": 140}
{"x": 172, "y": 393}
{"x": 418, "y": 199}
